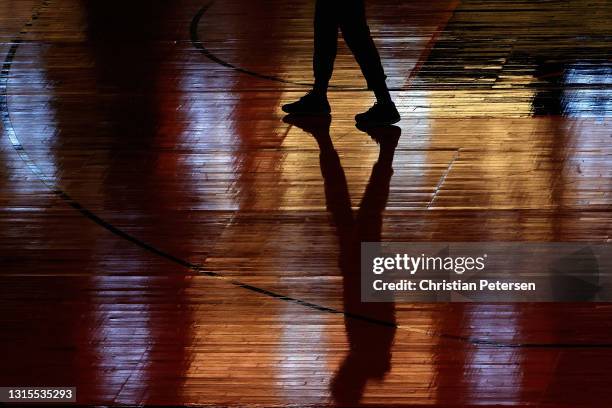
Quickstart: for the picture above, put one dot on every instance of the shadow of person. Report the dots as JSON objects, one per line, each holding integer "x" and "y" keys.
{"x": 370, "y": 327}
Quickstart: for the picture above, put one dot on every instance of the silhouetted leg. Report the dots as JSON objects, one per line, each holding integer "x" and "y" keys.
{"x": 325, "y": 43}
{"x": 374, "y": 201}
{"x": 358, "y": 38}
{"x": 325, "y": 48}
{"x": 337, "y": 198}
{"x": 370, "y": 343}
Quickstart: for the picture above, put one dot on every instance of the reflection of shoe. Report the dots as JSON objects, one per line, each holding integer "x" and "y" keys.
{"x": 381, "y": 114}
{"x": 387, "y": 137}
{"x": 310, "y": 124}
{"x": 317, "y": 126}
{"x": 383, "y": 135}
{"x": 310, "y": 104}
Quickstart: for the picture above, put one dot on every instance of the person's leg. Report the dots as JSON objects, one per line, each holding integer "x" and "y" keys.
{"x": 358, "y": 38}
{"x": 325, "y": 48}
{"x": 325, "y": 43}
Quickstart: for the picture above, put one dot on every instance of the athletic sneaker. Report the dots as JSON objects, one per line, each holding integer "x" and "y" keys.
{"x": 310, "y": 104}
{"x": 381, "y": 114}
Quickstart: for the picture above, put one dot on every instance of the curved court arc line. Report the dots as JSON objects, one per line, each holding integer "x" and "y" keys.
{"x": 199, "y": 45}
{"x": 66, "y": 198}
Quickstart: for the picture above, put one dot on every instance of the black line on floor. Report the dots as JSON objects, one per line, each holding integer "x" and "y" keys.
{"x": 195, "y": 41}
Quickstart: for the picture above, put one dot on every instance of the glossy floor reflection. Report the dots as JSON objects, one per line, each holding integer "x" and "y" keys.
{"x": 189, "y": 246}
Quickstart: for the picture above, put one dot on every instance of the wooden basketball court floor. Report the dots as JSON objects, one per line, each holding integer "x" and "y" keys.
{"x": 166, "y": 238}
